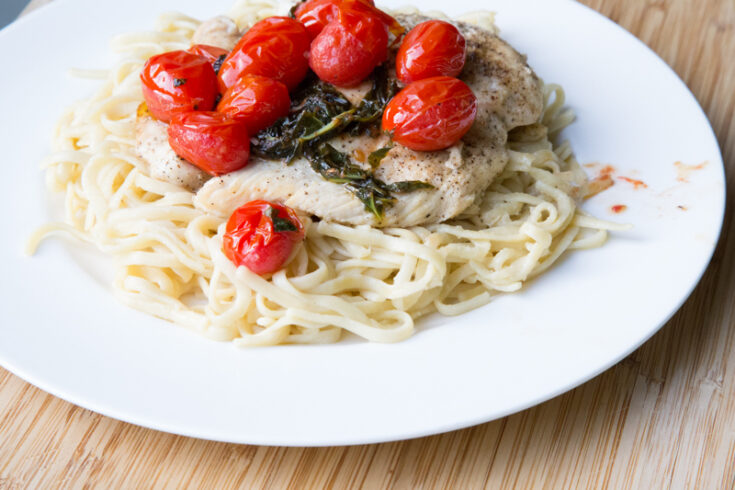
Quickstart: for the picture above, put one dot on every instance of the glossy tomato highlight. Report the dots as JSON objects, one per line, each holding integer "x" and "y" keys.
{"x": 431, "y": 114}
{"x": 261, "y": 235}
{"x": 178, "y": 81}
{"x": 316, "y": 14}
{"x": 256, "y": 101}
{"x": 350, "y": 47}
{"x": 275, "y": 47}
{"x": 213, "y": 54}
{"x": 432, "y": 48}
{"x": 212, "y": 141}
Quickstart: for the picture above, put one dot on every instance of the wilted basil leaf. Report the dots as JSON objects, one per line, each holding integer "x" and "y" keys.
{"x": 377, "y": 156}
{"x": 279, "y": 224}
{"x": 318, "y": 114}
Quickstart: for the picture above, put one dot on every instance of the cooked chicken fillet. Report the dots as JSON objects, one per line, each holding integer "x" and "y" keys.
{"x": 300, "y": 187}
{"x": 508, "y": 94}
{"x": 219, "y": 31}
{"x": 152, "y": 137}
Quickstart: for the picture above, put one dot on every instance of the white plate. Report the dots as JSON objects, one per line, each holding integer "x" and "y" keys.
{"x": 63, "y": 331}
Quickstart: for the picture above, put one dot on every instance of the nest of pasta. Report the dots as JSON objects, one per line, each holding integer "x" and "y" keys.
{"x": 373, "y": 282}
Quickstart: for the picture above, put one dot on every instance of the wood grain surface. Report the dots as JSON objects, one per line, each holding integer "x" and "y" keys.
{"x": 662, "y": 418}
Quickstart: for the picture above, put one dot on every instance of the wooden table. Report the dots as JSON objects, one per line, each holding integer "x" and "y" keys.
{"x": 662, "y": 418}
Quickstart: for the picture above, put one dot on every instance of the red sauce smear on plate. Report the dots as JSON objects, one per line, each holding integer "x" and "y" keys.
{"x": 637, "y": 184}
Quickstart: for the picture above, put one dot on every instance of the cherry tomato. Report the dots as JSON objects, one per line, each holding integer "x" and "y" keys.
{"x": 316, "y": 14}
{"x": 431, "y": 114}
{"x": 349, "y": 48}
{"x": 433, "y": 48}
{"x": 256, "y": 101}
{"x": 210, "y": 140}
{"x": 214, "y": 55}
{"x": 261, "y": 236}
{"x": 178, "y": 81}
{"x": 275, "y": 47}
{"x": 367, "y": 7}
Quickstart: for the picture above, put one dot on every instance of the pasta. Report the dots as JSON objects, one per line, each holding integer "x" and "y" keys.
{"x": 372, "y": 282}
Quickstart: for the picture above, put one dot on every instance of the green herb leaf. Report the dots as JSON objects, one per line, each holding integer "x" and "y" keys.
{"x": 279, "y": 224}
{"x": 334, "y": 125}
{"x": 336, "y": 167}
{"x": 372, "y": 106}
{"x": 408, "y": 186}
{"x": 179, "y": 82}
{"x": 292, "y": 10}
{"x": 319, "y": 113}
{"x": 218, "y": 63}
{"x": 373, "y": 195}
{"x": 377, "y": 156}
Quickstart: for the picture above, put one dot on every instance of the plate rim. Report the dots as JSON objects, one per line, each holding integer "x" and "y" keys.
{"x": 39, "y": 382}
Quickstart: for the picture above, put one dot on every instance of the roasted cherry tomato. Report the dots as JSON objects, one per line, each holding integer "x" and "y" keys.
{"x": 176, "y": 82}
{"x": 216, "y": 56}
{"x": 275, "y": 47}
{"x": 431, "y": 114}
{"x": 316, "y": 14}
{"x": 261, "y": 236}
{"x": 368, "y": 7}
{"x": 210, "y": 140}
{"x": 256, "y": 101}
{"x": 349, "y": 48}
{"x": 433, "y": 48}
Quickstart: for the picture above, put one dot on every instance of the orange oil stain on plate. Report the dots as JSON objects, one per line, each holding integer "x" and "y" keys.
{"x": 637, "y": 184}
{"x": 683, "y": 171}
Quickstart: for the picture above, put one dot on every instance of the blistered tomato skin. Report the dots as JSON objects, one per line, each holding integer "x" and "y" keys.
{"x": 368, "y": 7}
{"x": 212, "y": 53}
{"x": 316, "y": 14}
{"x": 349, "y": 48}
{"x": 431, "y": 114}
{"x": 433, "y": 48}
{"x": 212, "y": 141}
{"x": 256, "y": 101}
{"x": 275, "y": 47}
{"x": 178, "y": 81}
{"x": 261, "y": 235}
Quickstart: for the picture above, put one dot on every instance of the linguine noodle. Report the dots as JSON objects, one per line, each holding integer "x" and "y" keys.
{"x": 372, "y": 282}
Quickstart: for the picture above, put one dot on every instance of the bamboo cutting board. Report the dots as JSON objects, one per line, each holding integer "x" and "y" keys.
{"x": 662, "y": 418}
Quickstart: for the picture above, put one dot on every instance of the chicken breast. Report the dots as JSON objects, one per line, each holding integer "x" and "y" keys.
{"x": 219, "y": 31}
{"x": 298, "y": 186}
{"x": 509, "y": 95}
{"x": 163, "y": 163}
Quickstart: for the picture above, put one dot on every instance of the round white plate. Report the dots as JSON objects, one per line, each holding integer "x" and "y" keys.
{"x": 63, "y": 331}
